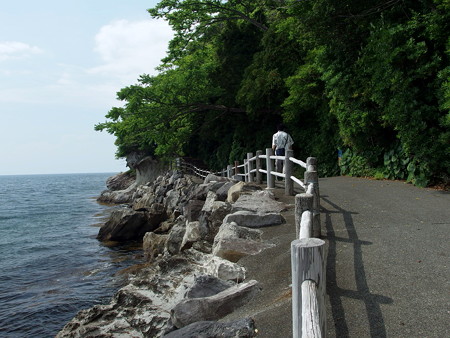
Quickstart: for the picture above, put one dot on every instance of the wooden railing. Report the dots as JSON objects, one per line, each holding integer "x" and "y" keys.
{"x": 308, "y": 251}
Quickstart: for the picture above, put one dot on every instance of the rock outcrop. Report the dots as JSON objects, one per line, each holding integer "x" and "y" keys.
{"x": 122, "y": 187}
{"x": 193, "y": 238}
{"x": 120, "y": 181}
{"x": 214, "y": 307}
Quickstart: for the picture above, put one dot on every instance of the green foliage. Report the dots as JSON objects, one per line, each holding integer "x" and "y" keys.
{"x": 367, "y": 76}
{"x": 354, "y": 164}
{"x": 395, "y": 163}
{"x": 418, "y": 173}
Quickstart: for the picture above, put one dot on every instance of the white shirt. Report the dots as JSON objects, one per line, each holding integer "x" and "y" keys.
{"x": 282, "y": 140}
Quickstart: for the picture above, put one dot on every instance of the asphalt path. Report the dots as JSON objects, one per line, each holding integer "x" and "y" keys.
{"x": 387, "y": 263}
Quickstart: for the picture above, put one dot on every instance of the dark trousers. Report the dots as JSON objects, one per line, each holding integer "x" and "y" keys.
{"x": 279, "y": 163}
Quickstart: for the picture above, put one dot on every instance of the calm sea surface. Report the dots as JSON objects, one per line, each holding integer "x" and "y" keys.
{"x": 51, "y": 265}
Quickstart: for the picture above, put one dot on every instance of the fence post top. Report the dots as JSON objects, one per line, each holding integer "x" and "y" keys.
{"x": 311, "y": 160}
{"x": 307, "y": 242}
{"x": 304, "y": 195}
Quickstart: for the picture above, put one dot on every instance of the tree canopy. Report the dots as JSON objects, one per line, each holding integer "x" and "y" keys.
{"x": 371, "y": 78}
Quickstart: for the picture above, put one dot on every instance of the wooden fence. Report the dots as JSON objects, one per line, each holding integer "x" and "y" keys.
{"x": 308, "y": 251}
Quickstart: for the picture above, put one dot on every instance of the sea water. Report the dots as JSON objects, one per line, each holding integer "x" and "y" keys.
{"x": 51, "y": 264}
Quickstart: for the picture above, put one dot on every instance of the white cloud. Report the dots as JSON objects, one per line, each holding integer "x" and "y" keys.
{"x": 17, "y": 50}
{"x": 126, "y": 49}
{"x": 129, "y": 49}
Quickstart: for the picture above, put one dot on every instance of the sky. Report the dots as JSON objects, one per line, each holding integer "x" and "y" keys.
{"x": 61, "y": 65}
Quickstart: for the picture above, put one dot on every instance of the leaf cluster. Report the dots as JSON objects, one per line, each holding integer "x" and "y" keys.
{"x": 371, "y": 77}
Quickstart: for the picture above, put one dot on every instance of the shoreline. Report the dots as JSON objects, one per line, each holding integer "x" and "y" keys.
{"x": 188, "y": 245}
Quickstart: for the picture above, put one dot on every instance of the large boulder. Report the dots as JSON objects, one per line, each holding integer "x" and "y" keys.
{"x": 205, "y": 286}
{"x": 213, "y": 307}
{"x": 126, "y": 224}
{"x": 194, "y": 232}
{"x": 222, "y": 192}
{"x": 224, "y": 269}
{"x": 233, "y": 249}
{"x": 118, "y": 196}
{"x": 176, "y": 235}
{"x": 259, "y": 202}
{"x": 243, "y": 328}
{"x": 234, "y": 242}
{"x": 232, "y": 230}
{"x": 241, "y": 188}
{"x": 120, "y": 181}
{"x": 254, "y": 220}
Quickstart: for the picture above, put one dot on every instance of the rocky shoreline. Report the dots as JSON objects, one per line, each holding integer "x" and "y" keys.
{"x": 194, "y": 233}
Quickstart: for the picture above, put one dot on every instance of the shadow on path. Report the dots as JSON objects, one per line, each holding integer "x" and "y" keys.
{"x": 371, "y": 301}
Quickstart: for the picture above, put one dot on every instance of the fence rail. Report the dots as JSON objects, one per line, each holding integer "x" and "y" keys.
{"x": 308, "y": 251}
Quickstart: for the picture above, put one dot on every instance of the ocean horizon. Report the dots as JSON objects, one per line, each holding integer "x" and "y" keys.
{"x": 52, "y": 264}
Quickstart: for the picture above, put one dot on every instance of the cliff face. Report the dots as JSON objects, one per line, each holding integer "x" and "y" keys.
{"x": 193, "y": 236}
{"x": 121, "y": 187}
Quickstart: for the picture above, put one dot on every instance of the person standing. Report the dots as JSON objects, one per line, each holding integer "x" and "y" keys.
{"x": 281, "y": 141}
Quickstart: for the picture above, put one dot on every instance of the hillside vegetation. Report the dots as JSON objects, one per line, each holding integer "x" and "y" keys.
{"x": 371, "y": 78}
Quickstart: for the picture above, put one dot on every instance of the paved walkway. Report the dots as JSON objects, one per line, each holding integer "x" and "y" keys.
{"x": 387, "y": 268}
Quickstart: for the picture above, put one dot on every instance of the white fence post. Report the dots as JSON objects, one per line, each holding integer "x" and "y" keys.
{"x": 303, "y": 202}
{"x": 258, "y": 167}
{"x": 288, "y": 166}
{"x": 308, "y": 259}
{"x": 269, "y": 166}
{"x": 311, "y": 177}
{"x": 229, "y": 171}
{"x": 246, "y": 175}
{"x": 250, "y": 167}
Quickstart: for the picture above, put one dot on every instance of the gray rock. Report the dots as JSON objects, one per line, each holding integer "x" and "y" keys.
{"x": 202, "y": 246}
{"x": 216, "y": 266}
{"x": 153, "y": 245}
{"x": 145, "y": 202}
{"x": 241, "y": 188}
{"x": 176, "y": 235}
{"x": 225, "y": 270}
{"x": 244, "y": 328}
{"x": 214, "y": 186}
{"x": 165, "y": 226}
{"x": 172, "y": 200}
{"x": 147, "y": 169}
{"x": 232, "y": 230}
{"x": 214, "y": 307}
{"x": 222, "y": 192}
{"x": 234, "y": 242}
{"x": 213, "y": 219}
{"x": 261, "y": 202}
{"x": 119, "y": 196}
{"x": 214, "y": 178}
{"x": 126, "y": 224}
{"x": 194, "y": 232}
{"x": 120, "y": 181}
{"x": 254, "y": 220}
{"x": 205, "y": 286}
{"x": 233, "y": 249}
{"x": 192, "y": 210}
{"x": 210, "y": 199}
{"x": 109, "y": 320}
